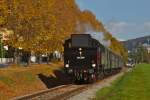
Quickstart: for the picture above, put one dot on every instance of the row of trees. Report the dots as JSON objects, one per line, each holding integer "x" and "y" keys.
{"x": 140, "y": 55}
{"x": 41, "y": 26}
{"x": 117, "y": 47}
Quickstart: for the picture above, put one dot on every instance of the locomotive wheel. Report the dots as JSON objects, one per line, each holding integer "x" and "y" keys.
{"x": 101, "y": 75}
{"x": 92, "y": 78}
{"x": 77, "y": 81}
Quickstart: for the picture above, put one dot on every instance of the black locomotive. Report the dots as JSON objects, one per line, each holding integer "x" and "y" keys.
{"x": 86, "y": 59}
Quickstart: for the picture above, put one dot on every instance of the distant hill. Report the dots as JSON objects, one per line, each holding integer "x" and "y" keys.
{"x": 133, "y": 43}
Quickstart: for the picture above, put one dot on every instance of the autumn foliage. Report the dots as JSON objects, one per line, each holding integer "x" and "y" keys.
{"x": 42, "y": 25}
{"x": 116, "y": 46}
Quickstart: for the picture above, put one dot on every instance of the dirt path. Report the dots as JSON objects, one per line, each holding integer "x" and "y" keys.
{"x": 90, "y": 93}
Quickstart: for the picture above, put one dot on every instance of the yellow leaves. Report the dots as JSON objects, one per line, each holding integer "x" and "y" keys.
{"x": 118, "y": 48}
{"x": 3, "y": 12}
{"x": 108, "y": 36}
{"x": 2, "y": 20}
{"x": 89, "y": 18}
{"x": 43, "y": 25}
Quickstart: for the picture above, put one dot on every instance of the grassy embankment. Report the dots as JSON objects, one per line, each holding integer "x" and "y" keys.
{"x": 135, "y": 85}
{"x": 19, "y": 80}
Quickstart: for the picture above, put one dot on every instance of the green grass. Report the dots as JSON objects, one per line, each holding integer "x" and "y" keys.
{"x": 6, "y": 80}
{"x": 135, "y": 85}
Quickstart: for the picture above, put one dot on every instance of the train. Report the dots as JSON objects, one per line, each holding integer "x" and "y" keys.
{"x": 87, "y": 60}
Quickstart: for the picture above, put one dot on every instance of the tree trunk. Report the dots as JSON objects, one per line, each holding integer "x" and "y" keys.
{"x": 15, "y": 58}
{"x": 29, "y": 59}
{"x": 40, "y": 59}
{"x": 18, "y": 58}
{"x": 62, "y": 56}
{"x": 48, "y": 59}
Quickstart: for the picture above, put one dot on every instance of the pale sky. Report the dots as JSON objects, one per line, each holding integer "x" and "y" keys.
{"x": 125, "y": 19}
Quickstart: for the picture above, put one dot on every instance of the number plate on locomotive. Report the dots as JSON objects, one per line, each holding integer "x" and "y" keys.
{"x": 81, "y": 57}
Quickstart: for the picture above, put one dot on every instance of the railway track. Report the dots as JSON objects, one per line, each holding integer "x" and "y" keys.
{"x": 61, "y": 92}
{"x": 58, "y": 93}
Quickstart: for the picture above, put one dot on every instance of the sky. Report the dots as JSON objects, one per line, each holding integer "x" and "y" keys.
{"x": 125, "y": 19}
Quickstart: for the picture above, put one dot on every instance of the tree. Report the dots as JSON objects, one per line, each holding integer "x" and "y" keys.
{"x": 116, "y": 46}
{"x": 29, "y": 19}
{"x": 41, "y": 26}
{"x": 141, "y": 54}
{"x": 3, "y": 13}
{"x": 36, "y": 22}
{"x": 88, "y": 18}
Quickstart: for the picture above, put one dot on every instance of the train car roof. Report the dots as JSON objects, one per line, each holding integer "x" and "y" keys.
{"x": 98, "y": 42}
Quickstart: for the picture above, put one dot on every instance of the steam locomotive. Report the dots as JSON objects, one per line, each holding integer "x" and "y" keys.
{"x": 87, "y": 60}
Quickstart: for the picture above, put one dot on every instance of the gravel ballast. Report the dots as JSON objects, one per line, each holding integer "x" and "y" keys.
{"x": 91, "y": 91}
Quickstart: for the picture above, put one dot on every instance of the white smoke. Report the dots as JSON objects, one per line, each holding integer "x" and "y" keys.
{"x": 100, "y": 37}
{"x": 96, "y": 35}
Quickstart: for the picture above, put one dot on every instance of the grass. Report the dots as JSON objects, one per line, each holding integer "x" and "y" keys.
{"x": 20, "y": 80}
{"x": 6, "y": 80}
{"x": 135, "y": 85}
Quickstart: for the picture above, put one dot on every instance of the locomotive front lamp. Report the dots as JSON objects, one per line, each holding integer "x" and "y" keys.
{"x": 93, "y": 65}
{"x": 67, "y": 65}
{"x": 80, "y": 49}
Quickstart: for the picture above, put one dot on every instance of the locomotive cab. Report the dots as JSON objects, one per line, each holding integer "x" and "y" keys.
{"x": 86, "y": 59}
{"x": 81, "y": 57}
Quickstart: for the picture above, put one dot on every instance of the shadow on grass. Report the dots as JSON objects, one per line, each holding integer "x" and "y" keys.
{"x": 60, "y": 79}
